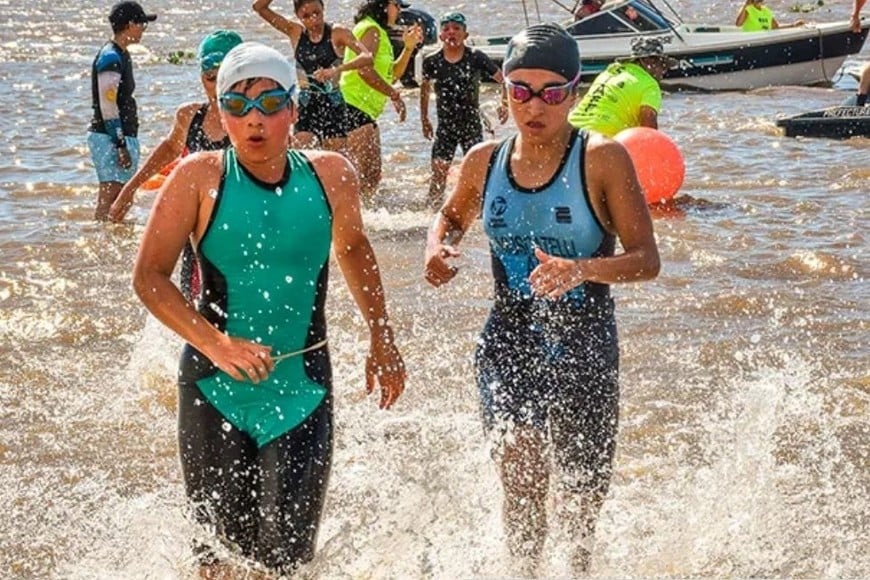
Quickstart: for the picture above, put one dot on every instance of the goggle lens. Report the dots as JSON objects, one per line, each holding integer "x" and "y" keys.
{"x": 553, "y": 95}
{"x": 268, "y": 103}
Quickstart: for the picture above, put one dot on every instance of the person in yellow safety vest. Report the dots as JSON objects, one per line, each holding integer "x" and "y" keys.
{"x": 755, "y": 16}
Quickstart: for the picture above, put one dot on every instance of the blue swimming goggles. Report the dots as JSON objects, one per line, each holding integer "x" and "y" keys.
{"x": 327, "y": 89}
{"x": 268, "y": 103}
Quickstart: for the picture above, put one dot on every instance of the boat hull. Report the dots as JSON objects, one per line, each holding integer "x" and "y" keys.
{"x": 832, "y": 123}
{"x": 725, "y": 58}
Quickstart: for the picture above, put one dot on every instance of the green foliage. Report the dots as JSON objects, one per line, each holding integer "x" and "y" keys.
{"x": 803, "y": 8}
{"x": 180, "y": 56}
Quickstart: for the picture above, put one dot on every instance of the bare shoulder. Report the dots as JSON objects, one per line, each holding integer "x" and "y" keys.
{"x": 335, "y": 172}
{"x": 479, "y": 156}
{"x": 476, "y": 162}
{"x": 341, "y": 30}
{"x": 199, "y": 170}
{"x": 203, "y": 161}
{"x": 186, "y": 111}
{"x": 328, "y": 164}
{"x": 600, "y": 147}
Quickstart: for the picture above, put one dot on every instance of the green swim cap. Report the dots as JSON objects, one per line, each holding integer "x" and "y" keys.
{"x": 544, "y": 46}
{"x": 215, "y": 47}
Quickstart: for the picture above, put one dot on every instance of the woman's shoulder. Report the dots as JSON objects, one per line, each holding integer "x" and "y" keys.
{"x": 202, "y": 163}
{"x": 187, "y": 111}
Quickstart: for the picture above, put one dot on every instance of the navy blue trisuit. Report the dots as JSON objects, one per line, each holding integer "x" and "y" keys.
{"x": 551, "y": 365}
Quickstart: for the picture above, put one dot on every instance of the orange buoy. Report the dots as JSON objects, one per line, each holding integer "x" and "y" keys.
{"x": 156, "y": 180}
{"x": 657, "y": 160}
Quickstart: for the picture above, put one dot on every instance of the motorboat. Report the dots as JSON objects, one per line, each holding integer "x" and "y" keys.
{"x": 711, "y": 57}
{"x": 832, "y": 123}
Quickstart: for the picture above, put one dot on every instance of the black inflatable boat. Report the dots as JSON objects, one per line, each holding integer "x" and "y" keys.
{"x": 832, "y": 123}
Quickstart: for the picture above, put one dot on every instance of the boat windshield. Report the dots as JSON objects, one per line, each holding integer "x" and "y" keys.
{"x": 621, "y": 17}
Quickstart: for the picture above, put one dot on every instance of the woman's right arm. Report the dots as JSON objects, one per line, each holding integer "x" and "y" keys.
{"x": 741, "y": 16}
{"x": 293, "y": 30}
{"x": 456, "y": 215}
{"x": 174, "y": 217}
{"x": 166, "y": 152}
{"x": 371, "y": 39}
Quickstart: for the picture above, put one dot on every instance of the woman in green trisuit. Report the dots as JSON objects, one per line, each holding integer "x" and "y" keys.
{"x": 255, "y": 394}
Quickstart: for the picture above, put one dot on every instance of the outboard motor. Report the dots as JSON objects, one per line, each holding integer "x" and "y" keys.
{"x": 409, "y": 17}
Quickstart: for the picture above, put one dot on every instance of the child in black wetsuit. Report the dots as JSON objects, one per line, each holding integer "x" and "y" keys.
{"x": 457, "y": 71}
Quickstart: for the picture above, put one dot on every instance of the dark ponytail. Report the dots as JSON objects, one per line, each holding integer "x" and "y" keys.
{"x": 374, "y": 9}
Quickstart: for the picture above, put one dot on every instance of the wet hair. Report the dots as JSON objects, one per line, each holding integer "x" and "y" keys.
{"x": 374, "y": 9}
{"x": 298, "y": 4}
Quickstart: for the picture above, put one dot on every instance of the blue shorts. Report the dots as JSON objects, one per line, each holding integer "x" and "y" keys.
{"x": 104, "y": 155}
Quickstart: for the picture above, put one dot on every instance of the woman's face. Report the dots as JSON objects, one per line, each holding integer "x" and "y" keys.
{"x": 256, "y": 136}
{"x": 393, "y": 11}
{"x": 535, "y": 119}
{"x": 311, "y": 15}
{"x": 209, "y": 80}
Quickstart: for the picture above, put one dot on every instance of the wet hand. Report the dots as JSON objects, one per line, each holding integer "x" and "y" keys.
{"x": 323, "y": 75}
{"x": 438, "y": 271}
{"x": 384, "y": 366}
{"x": 554, "y": 277}
{"x": 399, "y": 105}
{"x": 124, "y": 159}
{"x": 121, "y": 205}
{"x": 242, "y": 359}
{"x": 412, "y": 36}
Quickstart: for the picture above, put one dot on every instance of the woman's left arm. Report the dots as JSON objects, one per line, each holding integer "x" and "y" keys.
{"x": 411, "y": 37}
{"x": 620, "y": 206}
{"x": 357, "y": 261}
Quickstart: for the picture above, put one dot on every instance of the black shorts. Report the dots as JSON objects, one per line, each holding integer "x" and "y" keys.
{"x": 323, "y": 116}
{"x": 357, "y": 119}
{"x": 557, "y": 372}
{"x": 465, "y": 135}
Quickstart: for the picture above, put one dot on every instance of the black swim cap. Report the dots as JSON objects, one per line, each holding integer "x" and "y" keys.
{"x": 545, "y": 46}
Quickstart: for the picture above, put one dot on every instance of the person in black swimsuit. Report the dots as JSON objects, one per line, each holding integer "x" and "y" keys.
{"x": 456, "y": 72}
{"x": 318, "y": 47}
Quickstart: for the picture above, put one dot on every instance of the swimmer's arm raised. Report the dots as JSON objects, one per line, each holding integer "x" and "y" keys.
{"x": 293, "y": 30}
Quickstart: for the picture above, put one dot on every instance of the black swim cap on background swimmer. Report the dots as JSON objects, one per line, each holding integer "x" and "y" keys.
{"x": 546, "y": 46}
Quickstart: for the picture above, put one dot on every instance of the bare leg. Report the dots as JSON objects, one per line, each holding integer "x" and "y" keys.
{"x": 109, "y": 191}
{"x": 364, "y": 151}
{"x": 525, "y": 477}
{"x": 220, "y": 571}
{"x": 578, "y": 512}
{"x": 440, "y": 167}
{"x": 864, "y": 85}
